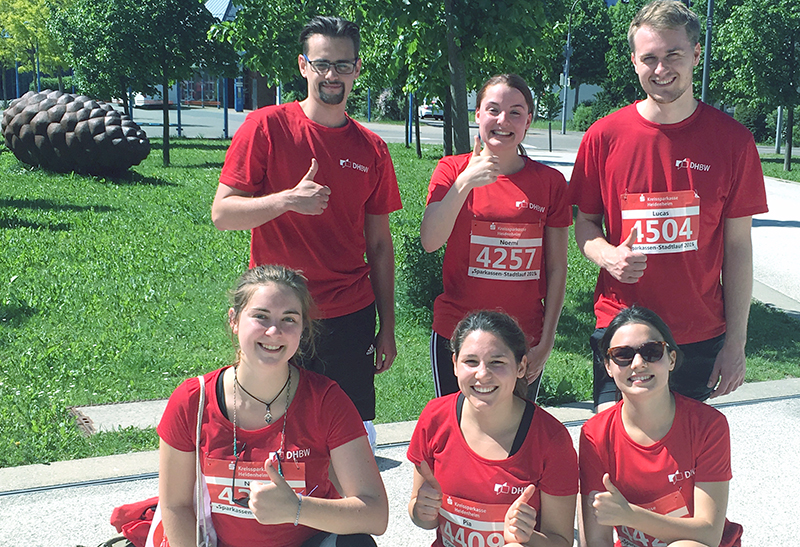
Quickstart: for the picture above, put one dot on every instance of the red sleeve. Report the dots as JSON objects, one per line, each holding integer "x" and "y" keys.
{"x": 559, "y": 214}
{"x": 560, "y": 470}
{"x": 591, "y": 460}
{"x": 245, "y": 166}
{"x": 179, "y": 421}
{"x": 748, "y": 194}
{"x": 419, "y": 449}
{"x": 714, "y": 454}
{"x": 386, "y": 196}
{"x": 584, "y": 184}
{"x": 344, "y": 422}
{"x": 443, "y": 177}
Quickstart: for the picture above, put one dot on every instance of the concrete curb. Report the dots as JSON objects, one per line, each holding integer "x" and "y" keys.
{"x": 145, "y": 464}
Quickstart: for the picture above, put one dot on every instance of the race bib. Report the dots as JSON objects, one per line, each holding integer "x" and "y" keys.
{"x": 465, "y": 523}
{"x": 504, "y": 250}
{"x": 666, "y": 222}
{"x": 219, "y": 477}
{"x": 671, "y": 505}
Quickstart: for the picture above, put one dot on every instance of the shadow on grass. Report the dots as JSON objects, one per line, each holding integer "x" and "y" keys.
{"x": 772, "y": 332}
{"x": 48, "y": 205}
{"x": 15, "y": 314}
{"x": 133, "y": 178}
{"x": 13, "y": 223}
{"x": 206, "y": 165}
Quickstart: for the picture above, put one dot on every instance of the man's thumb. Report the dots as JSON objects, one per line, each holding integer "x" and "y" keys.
{"x": 425, "y": 470}
{"x": 312, "y": 171}
{"x": 632, "y": 237}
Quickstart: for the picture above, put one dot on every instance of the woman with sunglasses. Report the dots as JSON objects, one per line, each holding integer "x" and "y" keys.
{"x": 505, "y": 219}
{"x": 270, "y": 433}
{"x": 655, "y": 466}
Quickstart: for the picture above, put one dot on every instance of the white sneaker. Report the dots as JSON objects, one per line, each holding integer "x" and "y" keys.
{"x": 372, "y": 435}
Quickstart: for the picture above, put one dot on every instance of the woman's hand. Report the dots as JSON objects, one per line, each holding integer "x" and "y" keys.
{"x": 481, "y": 170}
{"x": 520, "y": 519}
{"x": 273, "y": 502}
{"x": 429, "y": 496}
{"x": 537, "y": 357}
{"x": 611, "y": 508}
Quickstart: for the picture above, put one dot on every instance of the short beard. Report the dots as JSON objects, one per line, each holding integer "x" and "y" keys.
{"x": 327, "y": 98}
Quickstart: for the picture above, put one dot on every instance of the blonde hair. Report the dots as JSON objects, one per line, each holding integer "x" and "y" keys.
{"x": 663, "y": 15}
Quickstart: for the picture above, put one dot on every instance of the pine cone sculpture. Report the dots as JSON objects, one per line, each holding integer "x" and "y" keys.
{"x": 64, "y": 132}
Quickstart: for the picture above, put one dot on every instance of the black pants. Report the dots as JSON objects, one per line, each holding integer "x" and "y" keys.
{"x": 345, "y": 352}
{"x": 353, "y": 540}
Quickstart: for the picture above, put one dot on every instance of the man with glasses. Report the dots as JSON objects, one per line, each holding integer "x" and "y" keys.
{"x": 316, "y": 188}
{"x": 676, "y": 182}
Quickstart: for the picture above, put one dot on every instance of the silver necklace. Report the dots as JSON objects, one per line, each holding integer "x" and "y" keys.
{"x": 268, "y": 414}
{"x": 285, "y": 413}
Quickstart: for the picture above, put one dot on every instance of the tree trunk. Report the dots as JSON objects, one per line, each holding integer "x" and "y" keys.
{"x": 447, "y": 124}
{"x": 5, "y": 82}
{"x": 787, "y": 158}
{"x": 124, "y": 94}
{"x": 458, "y": 84}
{"x": 577, "y": 93}
{"x": 165, "y": 110}
{"x": 60, "y": 80}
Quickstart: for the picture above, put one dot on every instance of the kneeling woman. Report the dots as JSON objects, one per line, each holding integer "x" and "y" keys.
{"x": 270, "y": 432}
{"x": 656, "y": 466}
{"x": 491, "y": 467}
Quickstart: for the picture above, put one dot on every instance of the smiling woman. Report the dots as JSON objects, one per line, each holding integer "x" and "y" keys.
{"x": 505, "y": 220}
{"x": 491, "y": 467}
{"x": 634, "y": 455}
{"x": 261, "y": 414}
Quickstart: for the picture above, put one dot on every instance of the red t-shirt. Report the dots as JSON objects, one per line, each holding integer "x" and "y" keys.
{"x": 477, "y": 492}
{"x": 495, "y": 254}
{"x": 660, "y": 477}
{"x": 710, "y": 156}
{"x": 320, "y": 418}
{"x": 271, "y": 152}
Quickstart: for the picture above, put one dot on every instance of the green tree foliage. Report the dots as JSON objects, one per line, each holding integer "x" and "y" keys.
{"x": 621, "y": 84}
{"x": 140, "y": 43}
{"x": 591, "y": 32}
{"x": 24, "y": 30}
{"x": 760, "y": 43}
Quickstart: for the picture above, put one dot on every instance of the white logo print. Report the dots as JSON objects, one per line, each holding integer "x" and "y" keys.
{"x": 686, "y": 163}
{"x": 675, "y": 478}
{"x": 346, "y": 163}
{"x": 525, "y": 204}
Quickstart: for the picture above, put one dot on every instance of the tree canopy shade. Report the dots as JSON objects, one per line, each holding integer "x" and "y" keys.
{"x": 140, "y": 43}
{"x": 760, "y": 43}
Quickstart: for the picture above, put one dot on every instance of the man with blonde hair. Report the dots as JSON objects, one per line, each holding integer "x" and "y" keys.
{"x": 666, "y": 189}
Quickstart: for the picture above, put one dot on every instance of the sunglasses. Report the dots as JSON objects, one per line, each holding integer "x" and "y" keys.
{"x": 650, "y": 352}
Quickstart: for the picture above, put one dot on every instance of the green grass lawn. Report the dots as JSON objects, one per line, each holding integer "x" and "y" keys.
{"x": 772, "y": 164}
{"x": 115, "y": 290}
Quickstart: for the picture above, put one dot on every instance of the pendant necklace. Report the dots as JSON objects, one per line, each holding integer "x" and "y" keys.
{"x": 285, "y": 414}
{"x": 268, "y": 414}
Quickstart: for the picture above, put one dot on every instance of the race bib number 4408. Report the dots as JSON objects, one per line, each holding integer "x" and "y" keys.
{"x": 504, "y": 250}
{"x": 666, "y": 222}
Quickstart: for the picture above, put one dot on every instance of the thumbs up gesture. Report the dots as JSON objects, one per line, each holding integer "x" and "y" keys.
{"x": 483, "y": 168}
{"x": 625, "y": 264}
{"x": 520, "y": 518}
{"x": 425, "y": 507}
{"x": 273, "y": 502}
{"x": 308, "y": 197}
{"x": 610, "y": 507}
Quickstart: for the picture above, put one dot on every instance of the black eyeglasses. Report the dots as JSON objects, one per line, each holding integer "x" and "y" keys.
{"x": 322, "y": 66}
{"x": 650, "y": 352}
{"x": 245, "y": 500}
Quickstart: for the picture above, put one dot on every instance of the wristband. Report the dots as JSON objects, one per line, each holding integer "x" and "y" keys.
{"x": 299, "y": 505}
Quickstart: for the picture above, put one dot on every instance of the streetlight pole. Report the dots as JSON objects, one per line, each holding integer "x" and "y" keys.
{"x": 567, "y": 54}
